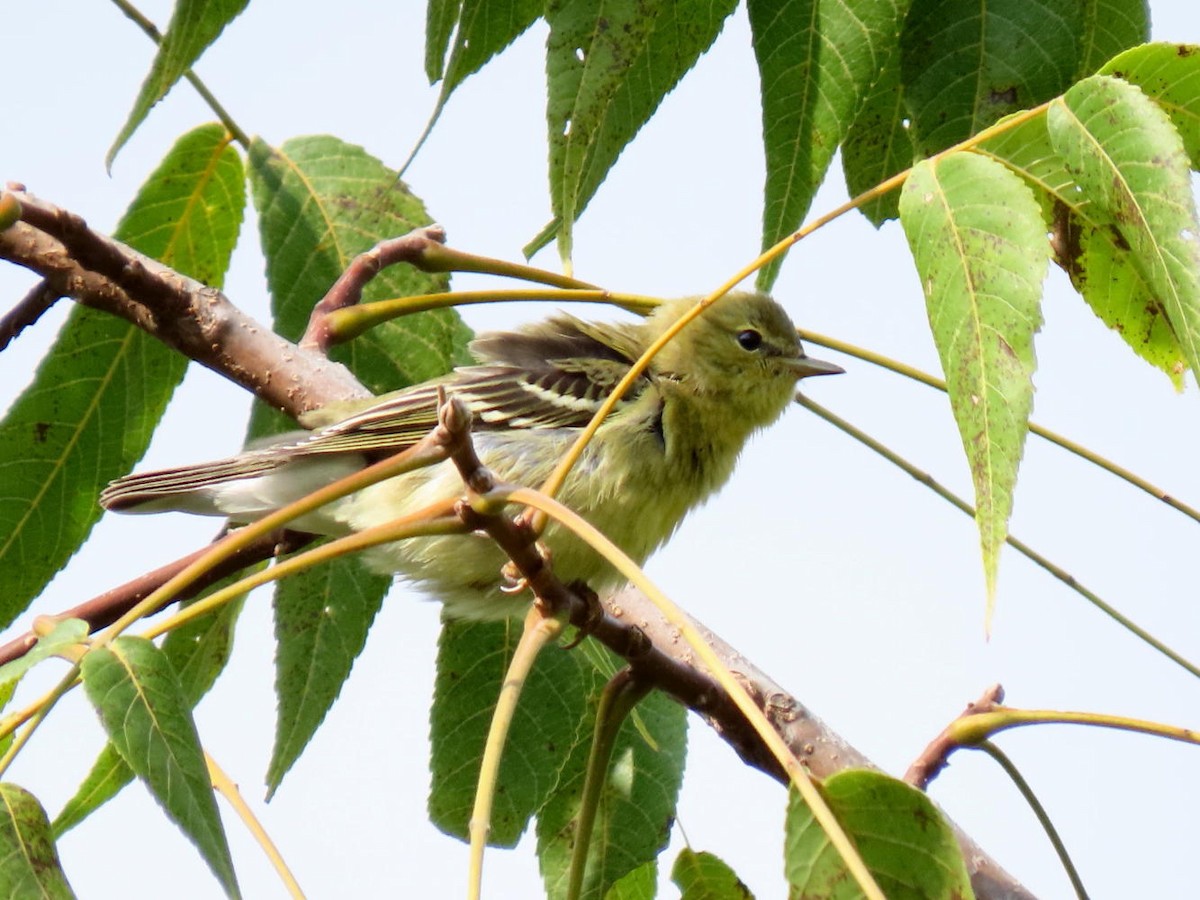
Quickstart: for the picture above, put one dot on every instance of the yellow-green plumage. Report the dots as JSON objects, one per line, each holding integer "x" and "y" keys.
{"x": 669, "y": 444}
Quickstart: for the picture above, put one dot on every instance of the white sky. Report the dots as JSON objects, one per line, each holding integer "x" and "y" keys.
{"x": 844, "y": 579}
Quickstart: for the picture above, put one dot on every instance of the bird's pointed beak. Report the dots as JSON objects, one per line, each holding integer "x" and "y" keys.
{"x": 806, "y": 367}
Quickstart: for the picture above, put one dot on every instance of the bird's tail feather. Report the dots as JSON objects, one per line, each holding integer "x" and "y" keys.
{"x": 177, "y": 488}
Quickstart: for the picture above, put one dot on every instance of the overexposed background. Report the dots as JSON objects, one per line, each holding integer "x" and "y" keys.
{"x": 844, "y": 579}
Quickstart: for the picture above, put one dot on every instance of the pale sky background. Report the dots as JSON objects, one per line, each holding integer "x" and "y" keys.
{"x": 844, "y": 579}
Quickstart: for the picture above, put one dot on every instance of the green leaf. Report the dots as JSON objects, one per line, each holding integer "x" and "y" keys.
{"x": 472, "y": 660}
{"x": 967, "y": 63}
{"x": 99, "y": 394}
{"x": 194, "y": 25}
{"x": 145, "y": 714}
{"x": 1129, "y": 162}
{"x": 1110, "y": 26}
{"x": 639, "y": 884}
{"x": 441, "y": 16}
{"x": 979, "y": 243}
{"x": 1170, "y": 75}
{"x": 198, "y": 652}
{"x": 485, "y": 28}
{"x": 608, "y": 67}
{"x": 878, "y": 144}
{"x": 1105, "y": 272}
{"x": 321, "y": 202}
{"x": 901, "y": 836}
{"x": 1089, "y": 249}
{"x": 66, "y": 635}
{"x": 637, "y": 805}
{"x": 321, "y": 625}
{"x": 817, "y": 59}
{"x": 704, "y": 876}
{"x": 29, "y": 865}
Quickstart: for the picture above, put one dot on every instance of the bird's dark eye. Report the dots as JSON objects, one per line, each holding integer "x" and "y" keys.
{"x": 749, "y": 339}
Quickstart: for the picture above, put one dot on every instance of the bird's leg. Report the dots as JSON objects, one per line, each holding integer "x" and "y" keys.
{"x": 541, "y": 628}
{"x": 514, "y": 581}
{"x": 622, "y": 693}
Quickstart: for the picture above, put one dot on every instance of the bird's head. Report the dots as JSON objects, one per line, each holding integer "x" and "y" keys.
{"x": 744, "y": 347}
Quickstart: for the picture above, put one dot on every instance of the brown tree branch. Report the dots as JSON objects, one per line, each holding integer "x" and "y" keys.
{"x": 218, "y": 335}
{"x": 106, "y": 608}
{"x": 197, "y": 320}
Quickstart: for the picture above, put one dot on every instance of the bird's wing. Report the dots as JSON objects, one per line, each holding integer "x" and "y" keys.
{"x": 552, "y": 375}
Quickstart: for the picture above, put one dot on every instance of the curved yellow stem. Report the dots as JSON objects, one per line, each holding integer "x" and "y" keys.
{"x": 351, "y": 321}
{"x": 227, "y": 789}
{"x": 540, "y": 629}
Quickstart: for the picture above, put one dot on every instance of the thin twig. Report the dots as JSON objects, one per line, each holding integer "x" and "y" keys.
{"x": 1040, "y": 812}
{"x": 347, "y": 290}
{"x": 1020, "y": 546}
{"x": 893, "y": 365}
{"x": 225, "y": 786}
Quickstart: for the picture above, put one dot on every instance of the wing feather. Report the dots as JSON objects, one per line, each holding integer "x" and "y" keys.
{"x": 552, "y": 375}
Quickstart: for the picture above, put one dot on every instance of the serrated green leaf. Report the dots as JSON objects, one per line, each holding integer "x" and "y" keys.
{"x": 968, "y": 63}
{"x": 1170, "y": 75}
{"x": 1104, "y": 271}
{"x": 146, "y": 716}
{"x": 67, "y": 634}
{"x": 637, "y": 805}
{"x": 1089, "y": 249}
{"x": 320, "y": 203}
{"x": 194, "y": 25}
{"x": 102, "y": 388}
{"x": 1129, "y": 162}
{"x": 817, "y": 59}
{"x": 640, "y": 884}
{"x": 705, "y": 876}
{"x": 878, "y": 144}
{"x": 29, "y": 865}
{"x": 472, "y": 660}
{"x": 198, "y": 652}
{"x": 979, "y": 243}
{"x": 1110, "y": 26}
{"x": 905, "y": 842}
{"x": 321, "y": 625}
{"x": 485, "y": 28}
{"x": 608, "y": 67}
{"x": 441, "y": 16}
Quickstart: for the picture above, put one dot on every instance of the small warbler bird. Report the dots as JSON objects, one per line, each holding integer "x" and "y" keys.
{"x": 669, "y": 443}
